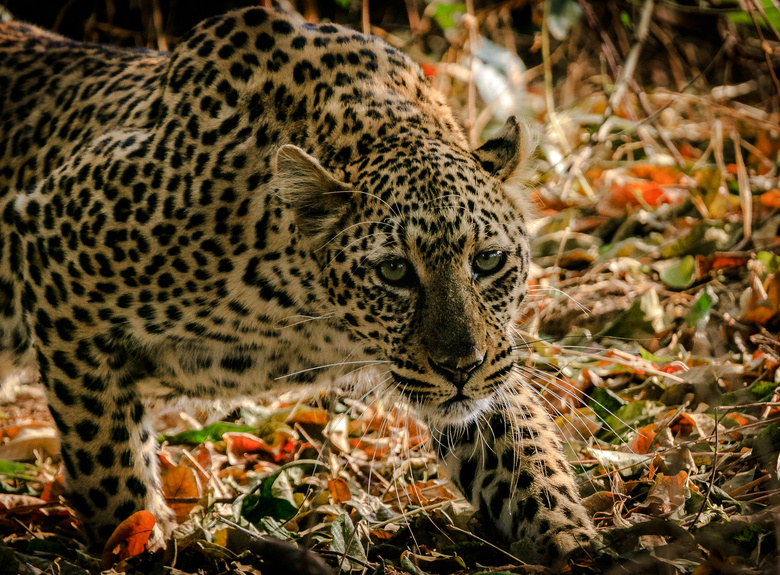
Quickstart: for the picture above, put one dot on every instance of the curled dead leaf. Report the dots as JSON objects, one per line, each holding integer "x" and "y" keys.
{"x": 130, "y": 538}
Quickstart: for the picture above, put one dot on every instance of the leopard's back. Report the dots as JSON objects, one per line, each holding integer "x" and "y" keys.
{"x": 58, "y": 95}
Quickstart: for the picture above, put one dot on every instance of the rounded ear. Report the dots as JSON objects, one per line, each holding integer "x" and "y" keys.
{"x": 317, "y": 198}
{"x": 502, "y": 154}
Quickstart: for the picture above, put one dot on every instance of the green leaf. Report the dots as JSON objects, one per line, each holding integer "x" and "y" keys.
{"x": 563, "y": 16}
{"x": 773, "y": 16}
{"x": 678, "y": 274}
{"x": 644, "y": 318}
{"x": 346, "y": 541}
{"x": 344, "y": 3}
{"x": 707, "y": 237}
{"x": 644, "y": 354}
{"x": 604, "y": 402}
{"x": 731, "y": 537}
{"x": 444, "y": 14}
{"x": 17, "y": 470}
{"x": 771, "y": 261}
{"x": 211, "y": 432}
{"x": 274, "y": 496}
{"x": 410, "y": 567}
{"x": 699, "y": 314}
{"x": 8, "y": 560}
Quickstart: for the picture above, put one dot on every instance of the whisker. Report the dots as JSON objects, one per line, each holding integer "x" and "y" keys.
{"x": 305, "y": 319}
{"x": 370, "y": 361}
{"x": 563, "y": 293}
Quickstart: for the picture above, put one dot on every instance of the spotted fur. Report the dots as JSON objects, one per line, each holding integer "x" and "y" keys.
{"x": 226, "y": 219}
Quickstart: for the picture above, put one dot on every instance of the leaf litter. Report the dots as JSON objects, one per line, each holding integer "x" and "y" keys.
{"x": 650, "y": 334}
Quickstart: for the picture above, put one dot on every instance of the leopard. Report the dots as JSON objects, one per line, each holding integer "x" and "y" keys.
{"x": 272, "y": 205}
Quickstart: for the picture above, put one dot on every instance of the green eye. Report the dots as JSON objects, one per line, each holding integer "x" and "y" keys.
{"x": 395, "y": 271}
{"x": 489, "y": 262}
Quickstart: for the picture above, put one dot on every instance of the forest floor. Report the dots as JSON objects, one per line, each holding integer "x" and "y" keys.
{"x": 651, "y": 334}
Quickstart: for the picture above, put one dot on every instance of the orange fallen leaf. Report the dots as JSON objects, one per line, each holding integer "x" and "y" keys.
{"x": 239, "y": 445}
{"x": 53, "y": 489}
{"x": 339, "y": 490}
{"x": 635, "y": 193}
{"x": 178, "y": 482}
{"x": 770, "y": 199}
{"x": 721, "y": 261}
{"x": 429, "y": 70}
{"x": 130, "y": 538}
{"x": 767, "y": 143}
{"x": 663, "y": 175}
{"x": 643, "y": 439}
{"x": 688, "y": 151}
{"x": 420, "y": 493}
{"x": 310, "y": 415}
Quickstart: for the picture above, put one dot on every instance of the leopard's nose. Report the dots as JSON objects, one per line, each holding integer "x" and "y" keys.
{"x": 458, "y": 368}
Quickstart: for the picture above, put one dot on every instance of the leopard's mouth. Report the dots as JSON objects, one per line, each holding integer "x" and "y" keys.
{"x": 427, "y": 399}
{"x": 460, "y": 409}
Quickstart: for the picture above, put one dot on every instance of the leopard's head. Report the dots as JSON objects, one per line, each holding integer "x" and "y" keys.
{"x": 424, "y": 256}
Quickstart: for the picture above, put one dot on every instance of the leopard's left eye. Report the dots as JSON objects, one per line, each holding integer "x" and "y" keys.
{"x": 489, "y": 262}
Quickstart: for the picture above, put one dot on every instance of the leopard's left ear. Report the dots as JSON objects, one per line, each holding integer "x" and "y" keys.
{"x": 317, "y": 198}
{"x": 502, "y": 154}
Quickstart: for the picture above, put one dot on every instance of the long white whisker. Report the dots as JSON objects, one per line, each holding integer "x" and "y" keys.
{"x": 563, "y": 293}
{"x": 371, "y": 361}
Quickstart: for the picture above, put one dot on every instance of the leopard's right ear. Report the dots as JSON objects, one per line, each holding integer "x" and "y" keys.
{"x": 316, "y": 197}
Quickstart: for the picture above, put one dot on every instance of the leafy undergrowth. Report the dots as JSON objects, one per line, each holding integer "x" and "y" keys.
{"x": 650, "y": 332}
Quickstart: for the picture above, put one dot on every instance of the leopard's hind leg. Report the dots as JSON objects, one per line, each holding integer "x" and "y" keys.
{"x": 16, "y": 355}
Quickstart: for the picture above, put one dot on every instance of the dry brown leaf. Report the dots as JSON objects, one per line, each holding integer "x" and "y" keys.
{"x": 130, "y": 538}
{"x": 27, "y": 440}
{"x": 9, "y": 501}
{"x": 309, "y": 415}
{"x": 179, "y": 482}
{"x": 643, "y": 439}
{"x": 339, "y": 490}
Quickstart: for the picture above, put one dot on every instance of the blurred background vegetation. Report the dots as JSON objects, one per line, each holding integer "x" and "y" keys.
{"x": 589, "y": 38}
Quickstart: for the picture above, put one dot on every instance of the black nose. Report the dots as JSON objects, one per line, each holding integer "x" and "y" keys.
{"x": 458, "y": 368}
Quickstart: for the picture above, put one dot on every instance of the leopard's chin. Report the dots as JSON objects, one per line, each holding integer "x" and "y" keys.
{"x": 458, "y": 410}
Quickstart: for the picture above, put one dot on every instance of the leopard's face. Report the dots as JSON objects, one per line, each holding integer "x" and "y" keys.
{"x": 427, "y": 266}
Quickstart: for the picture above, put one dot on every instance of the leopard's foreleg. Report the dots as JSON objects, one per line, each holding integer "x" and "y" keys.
{"x": 509, "y": 464}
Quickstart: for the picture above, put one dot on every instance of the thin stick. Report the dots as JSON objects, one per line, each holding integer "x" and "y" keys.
{"x": 366, "y": 21}
{"x": 764, "y": 47}
{"x": 159, "y": 29}
{"x": 745, "y": 197}
{"x": 627, "y": 73}
{"x": 712, "y": 477}
{"x": 471, "y": 25}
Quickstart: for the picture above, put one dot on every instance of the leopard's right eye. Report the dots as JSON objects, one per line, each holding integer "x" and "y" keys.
{"x": 396, "y": 272}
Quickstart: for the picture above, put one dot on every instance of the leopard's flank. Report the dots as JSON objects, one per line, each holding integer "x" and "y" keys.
{"x": 270, "y": 198}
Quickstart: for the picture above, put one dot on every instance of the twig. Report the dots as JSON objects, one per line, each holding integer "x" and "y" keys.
{"x": 748, "y": 486}
{"x": 712, "y": 477}
{"x": 471, "y": 24}
{"x": 159, "y": 30}
{"x": 61, "y": 15}
{"x": 365, "y": 20}
{"x": 745, "y": 197}
{"x": 414, "y": 16}
{"x": 671, "y": 101}
{"x": 764, "y": 46}
{"x": 548, "y": 82}
{"x": 627, "y": 72}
